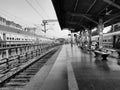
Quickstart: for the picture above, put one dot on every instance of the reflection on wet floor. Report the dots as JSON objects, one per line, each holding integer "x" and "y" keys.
{"x": 93, "y": 73}
{"x": 102, "y": 65}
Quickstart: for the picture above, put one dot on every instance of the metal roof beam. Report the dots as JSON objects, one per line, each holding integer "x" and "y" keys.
{"x": 114, "y": 17}
{"x": 84, "y": 27}
{"x": 83, "y": 15}
{"x": 74, "y": 23}
{"x": 50, "y": 20}
{"x": 91, "y": 6}
{"x": 112, "y": 3}
{"x": 70, "y": 22}
{"x": 76, "y": 4}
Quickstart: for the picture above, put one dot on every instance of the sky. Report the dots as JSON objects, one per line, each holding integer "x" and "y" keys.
{"x": 31, "y": 13}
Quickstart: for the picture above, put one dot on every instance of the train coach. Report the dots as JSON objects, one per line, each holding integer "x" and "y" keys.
{"x": 15, "y": 37}
{"x": 110, "y": 40}
{"x": 12, "y": 34}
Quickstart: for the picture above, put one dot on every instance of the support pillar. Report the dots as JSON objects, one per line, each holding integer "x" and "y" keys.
{"x": 82, "y": 39}
{"x": 89, "y": 31}
{"x": 7, "y": 53}
{"x": 100, "y": 28}
{"x": 18, "y": 51}
{"x": 7, "y": 59}
{"x": 1, "y": 52}
{"x": 72, "y": 37}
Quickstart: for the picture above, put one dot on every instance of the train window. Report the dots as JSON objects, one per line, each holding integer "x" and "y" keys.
{"x": 12, "y": 38}
{"x": 109, "y": 40}
{"x": 7, "y": 38}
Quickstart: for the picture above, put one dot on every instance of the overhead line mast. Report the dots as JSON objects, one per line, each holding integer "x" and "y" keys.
{"x": 45, "y": 23}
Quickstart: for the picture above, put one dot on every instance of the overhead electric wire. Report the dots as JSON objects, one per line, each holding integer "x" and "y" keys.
{"x": 38, "y": 7}
{"x": 15, "y": 18}
{"x": 3, "y": 15}
{"x": 41, "y": 8}
{"x": 34, "y": 9}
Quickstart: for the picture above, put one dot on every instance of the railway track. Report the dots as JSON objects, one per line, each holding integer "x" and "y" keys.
{"x": 20, "y": 79}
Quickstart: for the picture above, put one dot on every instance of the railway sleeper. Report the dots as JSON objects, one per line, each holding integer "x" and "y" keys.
{"x": 20, "y": 79}
{"x": 15, "y": 84}
{"x": 31, "y": 72}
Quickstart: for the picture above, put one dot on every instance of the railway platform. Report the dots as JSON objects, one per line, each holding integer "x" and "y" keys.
{"x": 76, "y": 69}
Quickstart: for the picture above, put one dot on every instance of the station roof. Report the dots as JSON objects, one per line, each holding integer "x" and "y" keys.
{"x": 80, "y": 14}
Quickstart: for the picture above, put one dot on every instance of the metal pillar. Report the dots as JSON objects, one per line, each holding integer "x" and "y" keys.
{"x": 100, "y": 28}
{"x": 71, "y": 39}
{"x": 18, "y": 51}
{"x": 7, "y": 59}
{"x": 1, "y": 52}
{"x": 7, "y": 53}
{"x": 89, "y": 31}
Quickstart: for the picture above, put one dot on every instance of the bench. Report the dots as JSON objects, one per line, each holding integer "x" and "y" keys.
{"x": 111, "y": 50}
{"x": 118, "y": 51}
{"x": 115, "y": 50}
{"x": 102, "y": 54}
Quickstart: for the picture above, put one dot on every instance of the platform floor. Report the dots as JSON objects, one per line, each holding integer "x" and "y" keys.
{"x": 74, "y": 69}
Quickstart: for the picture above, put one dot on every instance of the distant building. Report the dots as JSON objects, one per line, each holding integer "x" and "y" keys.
{"x": 30, "y": 29}
{"x": 11, "y": 24}
{"x": 2, "y": 21}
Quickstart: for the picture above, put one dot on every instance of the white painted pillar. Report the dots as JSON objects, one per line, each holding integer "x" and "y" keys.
{"x": 7, "y": 53}
{"x": 89, "y": 31}
{"x": 18, "y": 51}
{"x": 100, "y": 28}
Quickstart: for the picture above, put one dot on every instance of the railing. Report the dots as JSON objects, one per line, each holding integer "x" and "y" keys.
{"x": 12, "y": 62}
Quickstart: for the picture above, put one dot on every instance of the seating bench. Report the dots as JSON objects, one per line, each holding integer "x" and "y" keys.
{"x": 102, "y": 54}
{"x": 111, "y": 50}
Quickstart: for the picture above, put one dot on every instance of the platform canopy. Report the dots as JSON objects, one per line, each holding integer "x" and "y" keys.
{"x": 80, "y": 14}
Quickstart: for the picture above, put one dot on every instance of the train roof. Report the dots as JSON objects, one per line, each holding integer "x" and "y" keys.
{"x": 108, "y": 34}
{"x": 18, "y": 31}
{"x": 112, "y": 33}
{"x": 14, "y": 30}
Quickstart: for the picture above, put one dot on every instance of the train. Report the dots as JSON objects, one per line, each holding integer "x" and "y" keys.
{"x": 110, "y": 40}
{"x": 11, "y": 37}
{"x": 12, "y": 34}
